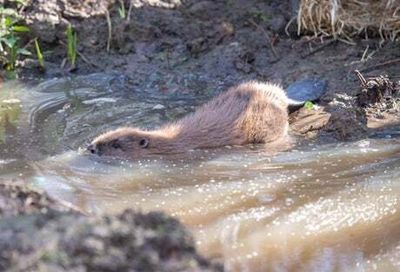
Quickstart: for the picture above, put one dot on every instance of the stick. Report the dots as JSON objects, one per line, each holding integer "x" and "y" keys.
{"x": 362, "y": 79}
{"x": 288, "y": 25}
{"x": 319, "y": 48}
{"x": 29, "y": 43}
{"x": 129, "y": 11}
{"x": 109, "y": 30}
{"x": 380, "y": 65}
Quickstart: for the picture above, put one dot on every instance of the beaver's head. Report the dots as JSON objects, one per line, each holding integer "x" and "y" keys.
{"x": 122, "y": 143}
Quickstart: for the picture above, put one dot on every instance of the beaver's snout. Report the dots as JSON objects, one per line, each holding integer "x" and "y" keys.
{"x": 93, "y": 149}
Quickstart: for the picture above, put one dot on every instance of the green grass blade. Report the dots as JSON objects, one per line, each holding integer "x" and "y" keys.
{"x": 71, "y": 45}
{"x": 20, "y": 28}
{"x": 39, "y": 54}
{"x": 121, "y": 10}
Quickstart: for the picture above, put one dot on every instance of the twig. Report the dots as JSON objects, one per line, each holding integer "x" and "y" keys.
{"x": 109, "y": 30}
{"x": 22, "y": 8}
{"x": 70, "y": 206}
{"x": 362, "y": 79}
{"x": 380, "y": 65}
{"x": 128, "y": 18}
{"x": 87, "y": 60}
{"x": 29, "y": 43}
{"x": 319, "y": 48}
{"x": 251, "y": 21}
{"x": 83, "y": 57}
{"x": 364, "y": 54}
{"x": 288, "y": 25}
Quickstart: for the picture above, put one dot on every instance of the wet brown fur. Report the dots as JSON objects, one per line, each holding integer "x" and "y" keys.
{"x": 251, "y": 112}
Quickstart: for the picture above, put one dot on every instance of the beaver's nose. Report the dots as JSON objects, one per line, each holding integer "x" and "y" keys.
{"x": 92, "y": 148}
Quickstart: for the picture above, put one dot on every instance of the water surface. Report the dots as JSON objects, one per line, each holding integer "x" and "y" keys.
{"x": 314, "y": 208}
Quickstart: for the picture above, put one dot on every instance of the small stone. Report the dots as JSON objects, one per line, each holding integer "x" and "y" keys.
{"x": 92, "y": 246}
{"x": 158, "y": 107}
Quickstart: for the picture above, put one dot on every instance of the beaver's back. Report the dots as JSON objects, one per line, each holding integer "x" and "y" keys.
{"x": 251, "y": 112}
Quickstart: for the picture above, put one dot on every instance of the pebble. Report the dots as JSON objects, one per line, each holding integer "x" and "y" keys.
{"x": 158, "y": 107}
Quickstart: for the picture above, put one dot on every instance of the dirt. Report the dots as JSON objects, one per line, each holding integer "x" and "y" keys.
{"x": 38, "y": 233}
{"x": 221, "y": 43}
{"x": 346, "y": 118}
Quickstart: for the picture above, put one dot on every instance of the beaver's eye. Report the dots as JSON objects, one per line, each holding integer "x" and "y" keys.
{"x": 115, "y": 145}
{"x": 144, "y": 143}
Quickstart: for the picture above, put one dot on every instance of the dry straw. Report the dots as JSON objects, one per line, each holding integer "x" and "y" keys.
{"x": 347, "y": 18}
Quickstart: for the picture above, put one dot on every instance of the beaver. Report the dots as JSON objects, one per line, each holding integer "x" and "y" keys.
{"x": 250, "y": 113}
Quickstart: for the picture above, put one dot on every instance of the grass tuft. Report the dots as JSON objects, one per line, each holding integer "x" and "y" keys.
{"x": 346, "y": 19}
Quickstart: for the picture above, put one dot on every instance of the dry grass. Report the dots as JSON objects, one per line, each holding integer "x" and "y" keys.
{"x": 347, "y": 18}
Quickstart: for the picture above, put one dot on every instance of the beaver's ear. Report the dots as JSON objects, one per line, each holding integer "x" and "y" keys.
{"x": 144, "y": 143}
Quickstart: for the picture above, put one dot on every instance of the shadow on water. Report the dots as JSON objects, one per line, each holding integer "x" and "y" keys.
{"x": 313, "y": 208}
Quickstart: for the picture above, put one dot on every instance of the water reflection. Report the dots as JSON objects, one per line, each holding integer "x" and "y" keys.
{"x": 330, "y": 207}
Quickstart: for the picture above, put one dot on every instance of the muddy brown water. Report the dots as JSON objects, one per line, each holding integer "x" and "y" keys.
{"x": 313, "y": 208}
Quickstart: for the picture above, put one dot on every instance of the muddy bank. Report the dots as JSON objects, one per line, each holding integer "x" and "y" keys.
{"x": 39, "y": 233}
{"x": 19, "y": 199}
{"x": 206, "y": 46}
{"x": 373, "y": 108}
